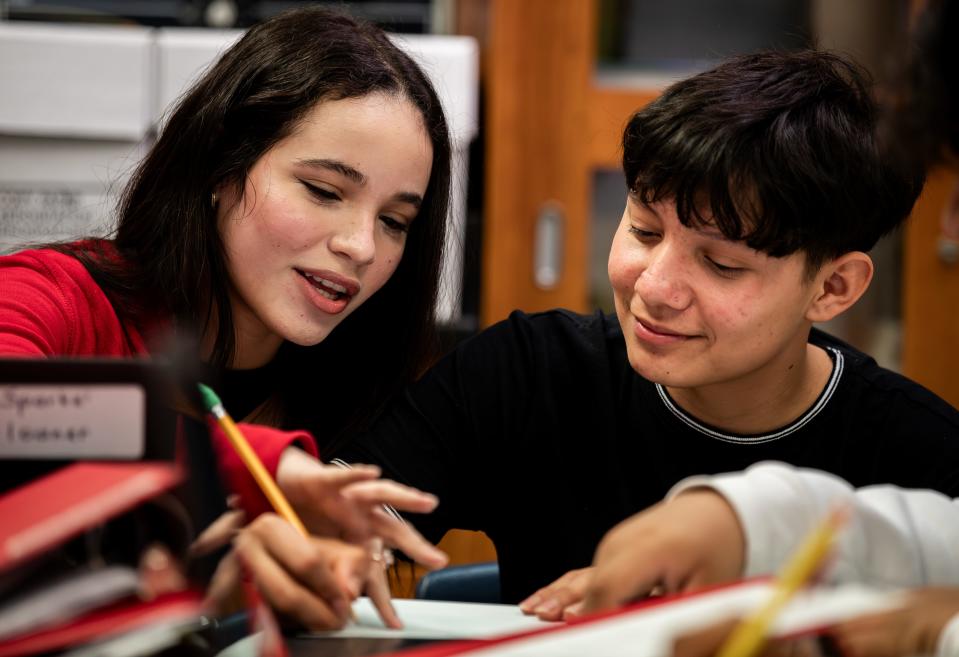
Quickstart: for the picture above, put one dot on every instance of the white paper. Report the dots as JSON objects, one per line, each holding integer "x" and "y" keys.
{"x": 430, "y": 619}
{"x": 651, "y": 632}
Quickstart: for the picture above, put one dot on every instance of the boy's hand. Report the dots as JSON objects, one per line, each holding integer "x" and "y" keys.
{"x": 912, "y": 629}
{"x": 692, "y": 540}
{"x": 561, "y": 599}
{"x": 347, "y": 503}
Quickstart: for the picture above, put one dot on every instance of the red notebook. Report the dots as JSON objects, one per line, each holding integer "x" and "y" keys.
{"x": 56, "y": 507}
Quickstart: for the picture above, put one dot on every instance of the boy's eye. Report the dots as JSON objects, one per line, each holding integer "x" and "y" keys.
{"x": 321, "y": 193}
{"x": 724, "y": 269}
{"x": 643, "y": 235}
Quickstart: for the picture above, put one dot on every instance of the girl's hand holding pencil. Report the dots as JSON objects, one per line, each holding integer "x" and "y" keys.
{"x": 314, "y": 579}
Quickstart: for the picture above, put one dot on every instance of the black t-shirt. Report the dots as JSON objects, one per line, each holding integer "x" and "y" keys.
{"x": 539, "y": 433}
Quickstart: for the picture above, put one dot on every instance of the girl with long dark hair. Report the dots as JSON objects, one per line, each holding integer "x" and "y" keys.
{"x": 291, "y": 215}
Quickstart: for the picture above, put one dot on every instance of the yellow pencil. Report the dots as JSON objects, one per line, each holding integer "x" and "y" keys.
{"x": 750, "y": 635}
{"x": 250, "y": 459}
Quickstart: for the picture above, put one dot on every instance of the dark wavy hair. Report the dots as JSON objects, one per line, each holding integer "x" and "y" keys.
{"x": 779, "y": 150}
{"x": 922, "y": 121}
{"x": 250, "y": 99}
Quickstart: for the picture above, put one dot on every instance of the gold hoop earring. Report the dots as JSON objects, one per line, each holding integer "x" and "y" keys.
{"x": 213, "y": 200}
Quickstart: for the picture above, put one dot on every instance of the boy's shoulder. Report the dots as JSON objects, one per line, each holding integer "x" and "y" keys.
{"x": 889, "y": 393}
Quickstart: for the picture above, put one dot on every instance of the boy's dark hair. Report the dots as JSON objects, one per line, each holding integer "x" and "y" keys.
{"x": 778, "y": 150}
{"x": 172, "y": 257}
{"x": 922, "y": 124}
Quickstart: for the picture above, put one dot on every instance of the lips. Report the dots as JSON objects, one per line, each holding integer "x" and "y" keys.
{"x": 331, "y": 284}
{"x": 659, "y": 330}
{"x": 327, "y": 290}
{"x": 655, "y": 335}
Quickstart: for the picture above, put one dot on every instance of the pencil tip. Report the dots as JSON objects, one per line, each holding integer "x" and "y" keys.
{"x": 210, "y": 400}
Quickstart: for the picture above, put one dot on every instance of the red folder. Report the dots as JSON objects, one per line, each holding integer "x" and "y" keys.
{"x": 56, "y": 507}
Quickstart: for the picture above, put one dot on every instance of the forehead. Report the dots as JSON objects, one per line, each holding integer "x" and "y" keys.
{"x": 380, "y": 135}
{"x": 365, "y": 117}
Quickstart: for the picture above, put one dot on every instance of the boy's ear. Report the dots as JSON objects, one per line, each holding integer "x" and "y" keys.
{"x": 839, "y": 284}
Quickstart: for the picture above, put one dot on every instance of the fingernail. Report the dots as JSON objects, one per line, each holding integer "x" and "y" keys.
{"x": 341, "y": 607}
{"x": 547, "y": 608}
{"x": 530, "y": 603}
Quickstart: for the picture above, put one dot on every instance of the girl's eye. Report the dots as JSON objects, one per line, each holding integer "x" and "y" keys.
{"x": 724, "y": 269}
{"x": 643, "y": 235}
{"x": 321, "y": 193}
{"x": 394, "y": 225}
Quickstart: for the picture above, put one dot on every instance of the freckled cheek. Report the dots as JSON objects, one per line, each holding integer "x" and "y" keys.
{"x": 734, "y": 315}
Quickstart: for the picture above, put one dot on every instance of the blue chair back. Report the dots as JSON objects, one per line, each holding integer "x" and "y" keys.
{"x": 474, "y": 582}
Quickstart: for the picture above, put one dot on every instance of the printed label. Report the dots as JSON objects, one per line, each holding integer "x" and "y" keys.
{"x": 72, "y": 421}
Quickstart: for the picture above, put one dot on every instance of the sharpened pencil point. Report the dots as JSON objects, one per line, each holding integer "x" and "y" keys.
{"x": 210, "y": 400}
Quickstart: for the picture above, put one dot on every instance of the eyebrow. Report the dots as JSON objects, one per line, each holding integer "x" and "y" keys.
{"x": 357, "y": 177}
{"x": 337, "y": 166}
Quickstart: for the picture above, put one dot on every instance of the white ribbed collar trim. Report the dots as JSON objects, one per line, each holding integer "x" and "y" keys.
{"x": 800, "y": 422}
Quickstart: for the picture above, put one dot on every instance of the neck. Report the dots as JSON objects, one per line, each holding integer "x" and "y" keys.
{"x": 762, "y": 400}
{"x": 252, "y": 348}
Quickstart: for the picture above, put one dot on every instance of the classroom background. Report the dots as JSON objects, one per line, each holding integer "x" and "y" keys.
{"x": 537, "y": 92}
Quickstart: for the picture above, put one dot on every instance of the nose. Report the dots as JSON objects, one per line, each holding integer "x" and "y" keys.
{"x": 355, "y": 238}
{"x": 664, "y": 283}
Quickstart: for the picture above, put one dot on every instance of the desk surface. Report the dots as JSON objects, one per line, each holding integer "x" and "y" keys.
{"x": 324, "y": 647}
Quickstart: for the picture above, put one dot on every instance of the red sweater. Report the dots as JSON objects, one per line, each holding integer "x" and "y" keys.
{"x": 51, "y": 306}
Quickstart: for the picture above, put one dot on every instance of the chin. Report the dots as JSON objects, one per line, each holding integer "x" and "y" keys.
{"x": 662, "y": 372}
{"x": 308, "y": 338}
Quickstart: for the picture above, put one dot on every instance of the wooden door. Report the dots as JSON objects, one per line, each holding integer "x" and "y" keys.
{"x": 549, "y": 125}
{"x": 931, "y": 296}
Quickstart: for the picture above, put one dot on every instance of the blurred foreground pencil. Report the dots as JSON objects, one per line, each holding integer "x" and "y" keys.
{"x": 750, "y": 635}
{"x": 250, "y": 459}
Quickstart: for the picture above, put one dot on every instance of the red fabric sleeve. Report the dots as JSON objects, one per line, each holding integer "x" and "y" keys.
{"x": 51, "y": 306}
{"x": 36, "y": 317}
{"x": 268, "y": 443}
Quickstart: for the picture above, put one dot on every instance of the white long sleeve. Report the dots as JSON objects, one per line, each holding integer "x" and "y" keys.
{"x": 896, "y": 537}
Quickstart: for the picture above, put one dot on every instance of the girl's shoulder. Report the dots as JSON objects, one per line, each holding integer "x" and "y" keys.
{"x": 50, "y": 304}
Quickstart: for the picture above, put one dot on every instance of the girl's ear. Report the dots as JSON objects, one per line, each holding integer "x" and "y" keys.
{"x": 840, "y": 283}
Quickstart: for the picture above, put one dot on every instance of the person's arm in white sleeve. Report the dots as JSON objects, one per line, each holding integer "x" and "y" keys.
{"x": 896, "y": 537}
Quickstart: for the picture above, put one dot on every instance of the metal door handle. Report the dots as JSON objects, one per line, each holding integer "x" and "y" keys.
{"x": 948, "y": 251}
{"x": 548, "y": 246}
